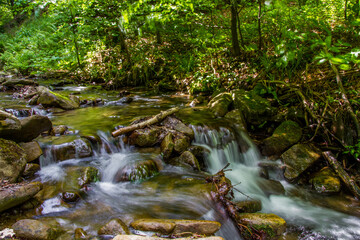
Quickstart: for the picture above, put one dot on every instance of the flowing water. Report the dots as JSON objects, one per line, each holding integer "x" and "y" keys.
{"x": 175, "y": 192}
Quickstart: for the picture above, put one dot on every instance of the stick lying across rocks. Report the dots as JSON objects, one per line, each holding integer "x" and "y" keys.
{"x": 157, "y": 118}
{"x": 349, "y": 182}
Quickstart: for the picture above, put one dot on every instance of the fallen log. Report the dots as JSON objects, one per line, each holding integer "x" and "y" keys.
{"x": 157, "y": 118}
{"x": 349, "y": 182}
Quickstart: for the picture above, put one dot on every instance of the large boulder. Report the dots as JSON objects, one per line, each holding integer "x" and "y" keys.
{"x": 298, "y": 159}
{"x": 49, "y": 99}
{"x": 220, "y": 104}
{"x": 32, "y": 149}
{"x": 12, "y": 160}
{"x": 114, "y": 227}
{"x": 284, "y": 136}
{"x": 34, "y": 229}
{"x": 256, "y": 109}
{"x": 136, "y": 171}
{"x": 15, "y": 195}
{"x": 267, "y": 225}
{"x": 326, "y": 181}
{"x": 172, "y": 226}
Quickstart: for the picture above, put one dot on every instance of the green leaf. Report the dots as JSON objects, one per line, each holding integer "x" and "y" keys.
{"x": 328, "y": 41}
{"x": 345, "y": 67}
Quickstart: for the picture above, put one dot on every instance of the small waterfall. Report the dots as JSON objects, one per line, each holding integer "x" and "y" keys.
{"x": 314, "y": 222}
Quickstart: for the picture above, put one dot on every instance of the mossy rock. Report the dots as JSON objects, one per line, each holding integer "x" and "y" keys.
{"x": 49, "y": 98}
{"x": 284, "y": 136}
{"x": 144, "y": 137}
{"x": 79, "y": 177}
{"x": 137, "y": 171}
{"x": 298, "y": 159}
{"x": 326, "y": 181}
{"x": 268, "y": 225}
{"x": 12, "y": 160}
{"x": 181, "y": 144}
{"x": 220, "y": 104}
{"x": 34, "y": 229}
{"x": 256, "y": 109}
{"x": 237, "y": 118}
{"x": 249, "y": 206}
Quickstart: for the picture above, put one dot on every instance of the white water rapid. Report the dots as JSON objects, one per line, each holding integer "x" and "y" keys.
{"x": 310, "y": 221}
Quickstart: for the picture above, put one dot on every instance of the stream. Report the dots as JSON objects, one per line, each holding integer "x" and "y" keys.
{"x": 176, "y": 192}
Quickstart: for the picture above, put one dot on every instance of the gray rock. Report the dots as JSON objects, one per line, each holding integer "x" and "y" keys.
{"x": 31, "y": 127}
{"x": 220, "y": 104}
{"x": 298, "y": 159}
{"x": 114, "y": 227}
{"x": 12, "y": 160}
{"x": 15, "y": 195}
{"x": 33, "y": 229}
{"x": 284, "y": 136}
{"x": 9, "y": 125}
{"x": 32, "y": 149}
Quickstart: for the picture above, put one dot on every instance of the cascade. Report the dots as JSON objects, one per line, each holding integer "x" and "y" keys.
{"x": 313, "y": 222}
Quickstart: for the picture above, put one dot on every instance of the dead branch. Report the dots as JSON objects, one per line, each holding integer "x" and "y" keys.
{"x": 157, "y": 118}
{"x": 348, "y": 181}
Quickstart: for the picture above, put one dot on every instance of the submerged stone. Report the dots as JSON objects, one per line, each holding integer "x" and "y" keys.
{"x": 284, "y": 136}
{"x": 264, "y": 224}
{"x": 12, "y": 160}
{"x": 326, "y": 181}
{"x": 298, "y": 159}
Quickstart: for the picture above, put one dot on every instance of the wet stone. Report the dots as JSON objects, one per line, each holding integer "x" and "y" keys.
{"x": 70, "y": 197}
{"x": 137, "y": 171}
{"x": 114, "y": 227}
{"x": 34, "y": 229}
{"x": 30, "y": 170}
{"x": 80, "y": 234}
{"x": 249, "y": 206}
{"x": 32, "y": 149}
{"x": 326, "y": 181}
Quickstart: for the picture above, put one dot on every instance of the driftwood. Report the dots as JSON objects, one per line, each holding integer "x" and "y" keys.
{"x": 349, "y": 182}
{"x": 157, "y": 118}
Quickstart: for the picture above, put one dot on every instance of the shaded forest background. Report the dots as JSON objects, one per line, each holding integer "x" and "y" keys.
{"x": 303, "y": 52}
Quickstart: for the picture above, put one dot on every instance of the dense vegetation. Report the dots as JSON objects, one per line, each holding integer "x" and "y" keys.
{"x": 307, "y": 48}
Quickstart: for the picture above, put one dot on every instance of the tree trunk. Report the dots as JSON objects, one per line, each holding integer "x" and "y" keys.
{"x": 348, "y": 181}
{"x": 234, "y": 33}
{"x": 157, "y": 118}
{"x": 240, "y": 32}
{"x": 345, "y": 9}
{"x": 259, "y": 26}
